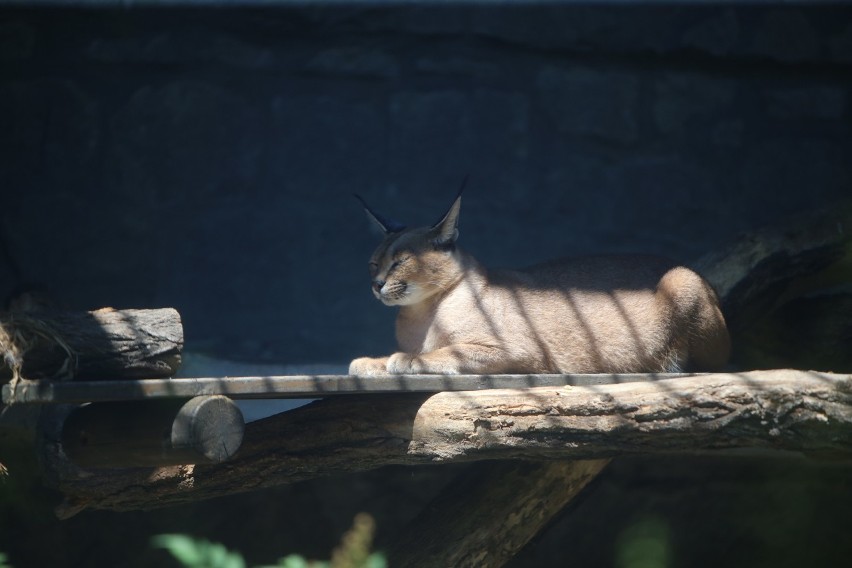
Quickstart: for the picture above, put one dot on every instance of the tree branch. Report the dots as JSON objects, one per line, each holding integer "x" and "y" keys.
{"x": 786, "y": 410}
{"x": 487, "y": 515}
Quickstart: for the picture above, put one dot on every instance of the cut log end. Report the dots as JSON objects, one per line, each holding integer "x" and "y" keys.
{"x": 210, "y": 426}
{"x": 206, "y": 429}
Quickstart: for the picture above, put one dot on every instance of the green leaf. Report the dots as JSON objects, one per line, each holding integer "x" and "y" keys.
{"x": 198, "y": 553}
{"x": 376, "y": 560}
{"x": 293, "y": 561}
{"x": 184, "y": 548}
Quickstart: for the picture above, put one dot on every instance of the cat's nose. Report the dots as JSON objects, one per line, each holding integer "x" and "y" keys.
{"x": 377, "y": 285}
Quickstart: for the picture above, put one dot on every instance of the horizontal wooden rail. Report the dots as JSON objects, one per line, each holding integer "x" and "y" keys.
{"x": 298, "y": 386}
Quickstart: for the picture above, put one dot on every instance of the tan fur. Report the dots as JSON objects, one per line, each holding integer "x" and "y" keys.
{"x": 615, "y": 314}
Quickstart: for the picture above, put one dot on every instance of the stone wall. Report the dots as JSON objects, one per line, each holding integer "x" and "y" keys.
{"x": 205, "y": 159}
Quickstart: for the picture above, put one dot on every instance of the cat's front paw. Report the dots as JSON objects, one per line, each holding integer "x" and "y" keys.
{"x": 369, "y": 366}
{"x": 405, "y": 364}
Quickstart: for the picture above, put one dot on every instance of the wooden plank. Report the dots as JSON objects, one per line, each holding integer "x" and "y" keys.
{"x": 298, "y": 386}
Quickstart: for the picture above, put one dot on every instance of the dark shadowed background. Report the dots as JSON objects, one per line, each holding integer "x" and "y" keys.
{"x": 204, "y": 158}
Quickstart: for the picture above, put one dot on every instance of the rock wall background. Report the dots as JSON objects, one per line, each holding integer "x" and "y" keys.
{"x": 205, "y": 159}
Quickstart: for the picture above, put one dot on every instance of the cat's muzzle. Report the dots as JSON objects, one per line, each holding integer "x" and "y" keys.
{"x": 390, "y": 294}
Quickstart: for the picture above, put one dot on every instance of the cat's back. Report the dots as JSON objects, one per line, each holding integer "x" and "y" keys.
{"x": 615, "y": 313}
{"x": 602, "y": 273}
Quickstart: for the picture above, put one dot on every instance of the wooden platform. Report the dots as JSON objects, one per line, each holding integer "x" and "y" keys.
{"x": 298, "y": 386}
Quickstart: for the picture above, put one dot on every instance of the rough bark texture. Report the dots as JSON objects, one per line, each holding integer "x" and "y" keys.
{"x": 786, "y": 410}
{"x": 487, "y": 515}
{"x": 104, "y": 344}
{"x": 754, "y": 273}
{"x": 786, "y": 292}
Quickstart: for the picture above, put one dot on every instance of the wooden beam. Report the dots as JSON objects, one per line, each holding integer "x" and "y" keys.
{"x": 296, "y": 386}
{"x": 485, "y": 517}
{"x": 789, "y": 410}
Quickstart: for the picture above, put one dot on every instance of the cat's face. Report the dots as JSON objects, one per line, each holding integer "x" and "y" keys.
{"x": 408, "y": 267}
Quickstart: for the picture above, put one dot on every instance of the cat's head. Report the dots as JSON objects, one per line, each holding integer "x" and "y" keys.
{"x": 411, "y": 265}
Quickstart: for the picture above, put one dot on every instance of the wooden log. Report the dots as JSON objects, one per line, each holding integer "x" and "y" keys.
{"x": 205, "y": 429}
{"x": 767, "y": 281}
{"x": 104, "y": 344}
{"x": 782, "y": 410}
{"x": 485, "y": 517}
{"x": 755, "y": 272}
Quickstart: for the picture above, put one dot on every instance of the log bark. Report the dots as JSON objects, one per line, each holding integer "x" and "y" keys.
{"x": 104, "y": 344}
{"x": 796, "y": 411}
{"x": 786, "y": 294}
{"x": 763, "y": 269}
{"x": 490, "y": 513}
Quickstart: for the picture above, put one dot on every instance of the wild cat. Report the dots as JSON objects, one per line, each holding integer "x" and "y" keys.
{"x": 599, "y": 314}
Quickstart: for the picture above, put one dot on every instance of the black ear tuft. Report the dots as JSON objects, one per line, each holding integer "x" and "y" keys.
{"x": 388, "y": 226}
{"x": 463, "y": 184}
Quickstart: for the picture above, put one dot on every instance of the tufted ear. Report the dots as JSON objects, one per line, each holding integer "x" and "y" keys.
{"x": 387, "y": 226}
{"x": 446, "y": 231}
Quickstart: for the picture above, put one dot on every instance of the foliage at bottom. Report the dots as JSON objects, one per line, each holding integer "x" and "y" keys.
{"x": 353, "y": 551}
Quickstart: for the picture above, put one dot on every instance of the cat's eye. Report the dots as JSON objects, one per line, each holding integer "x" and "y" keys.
{"x": 397, "y": 262}
{"x": 373, "y": 267}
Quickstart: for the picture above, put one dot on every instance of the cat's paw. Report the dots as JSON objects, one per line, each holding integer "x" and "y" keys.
{"x": 405, "y": 364}
{"x": 369, "y": 366}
